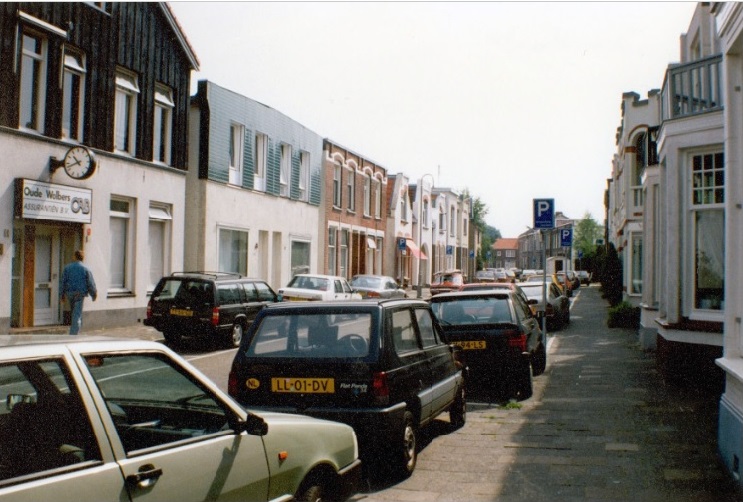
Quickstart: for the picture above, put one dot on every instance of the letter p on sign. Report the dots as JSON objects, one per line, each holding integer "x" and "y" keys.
{"x": 544, "y": 213}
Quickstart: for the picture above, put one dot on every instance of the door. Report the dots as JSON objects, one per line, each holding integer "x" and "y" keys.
{"x": 46, "y": 277}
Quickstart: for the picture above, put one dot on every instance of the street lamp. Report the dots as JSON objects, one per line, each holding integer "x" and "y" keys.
{"x": 420, "y": 234}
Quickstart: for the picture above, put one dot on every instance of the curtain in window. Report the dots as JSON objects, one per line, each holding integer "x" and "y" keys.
{"x": 709, "y": 259}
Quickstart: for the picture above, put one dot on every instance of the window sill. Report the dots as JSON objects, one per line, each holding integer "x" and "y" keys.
{"x": 120, "y": 294}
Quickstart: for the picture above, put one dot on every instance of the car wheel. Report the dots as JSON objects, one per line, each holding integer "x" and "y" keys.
{"x": 458, "y": 410}
{"x": 313, "y": 492}
{"x": 539, "y": 364}
{"x": 173, "y": 339}
{"x": 236, "y": 335}
{"x": 408, "y": 450}
{"x": 522, "y": 387}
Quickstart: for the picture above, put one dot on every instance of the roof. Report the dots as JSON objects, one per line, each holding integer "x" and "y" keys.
{"x": 506, "y": 243}
{"x": 180, "y": 34}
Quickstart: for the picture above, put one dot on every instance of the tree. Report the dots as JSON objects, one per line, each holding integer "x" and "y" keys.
{"x": 587, "y": 231}
{"x": 612, "y": 277}
{"x": 488, "y": 234}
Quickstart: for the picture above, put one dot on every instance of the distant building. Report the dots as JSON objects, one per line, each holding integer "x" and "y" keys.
{"x": 505, "y": 253}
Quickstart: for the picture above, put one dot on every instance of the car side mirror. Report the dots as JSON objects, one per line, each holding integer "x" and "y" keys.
{"x": 253, "y": 425}
{"x": 532, "y": 301}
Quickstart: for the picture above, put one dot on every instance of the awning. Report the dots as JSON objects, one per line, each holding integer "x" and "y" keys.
{"x": 415, "y": 250}
{"x": 370, "y": 243}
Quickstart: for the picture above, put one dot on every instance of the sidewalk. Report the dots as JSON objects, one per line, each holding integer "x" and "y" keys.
{"x": 601, "y": 426}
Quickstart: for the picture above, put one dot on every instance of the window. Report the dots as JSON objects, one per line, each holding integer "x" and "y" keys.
{"x": 425, "y": 216}
{"x": 261, "y": 158}
{"x": 442, "y": 221}
{"x": 73, "y": 92}
{"x": 33, "y": 81}
{"x": 404, "y": 206}
{"x": 233, "y": 251}
{"x": 452, "y": 221}
{"x": 425, "y": 326}
{"x": 174, "y": 412}
{"x": 344, "y": 253}
{"x": 121, "y": 213}
{"x": 300, "y": 257}
{"x": 337, "y": 185}
{"x": 403, "y": 332}
{"x": 636, "y": 264}
{"x": 163, "y": 125}
{"x": 378, "y": 198}
{"x": 159, "y": 242}
{"x": 332, "y": 250}
{"x": 236, "y": 154}
{"x": 264, "y": 292}
{"x": 464, "y": 227}
{"x": 367, "y": 196}
{"x": 41, "y": 411}
{"x": 708, "y": 230}
{"x": 285, "y": 172}
{"x": 127, "y": 91}
{"x": 351, "y": 191}
{"x": 304, "y": 176}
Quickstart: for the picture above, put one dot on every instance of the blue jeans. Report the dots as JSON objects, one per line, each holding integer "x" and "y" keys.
{"x": 76, "y": 304}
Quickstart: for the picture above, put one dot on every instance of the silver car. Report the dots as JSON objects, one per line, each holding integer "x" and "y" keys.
{"x": 377, "y": 286}
{"x": 86, "y": 419}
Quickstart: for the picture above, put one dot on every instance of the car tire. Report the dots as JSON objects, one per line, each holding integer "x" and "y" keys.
{"x": 522, "y": 384}
{"x": 236, "y": 335}
{"x": 539, "y": 363}
{"x": 312, "y": 492}
{"x": 173, "y": 339}
{"x": 407, "y": 455}
{"x": 458, "y": 410}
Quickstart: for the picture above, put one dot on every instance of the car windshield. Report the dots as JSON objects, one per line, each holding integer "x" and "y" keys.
{"x": 473, "y": 310}
{"x": 323, "y": 335}
{"x": 451, "y": 278}
{"x": 306, "y": 282}
{"x": 533, "y": 290}
{"x": 367, "y": 282}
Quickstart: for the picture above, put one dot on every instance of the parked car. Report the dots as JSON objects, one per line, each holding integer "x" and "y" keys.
{"x": 484, "y": 276}
{"x": 377, "y": 286}
{"x": 500, "y": 337}
{"x": 574, "y": 279}
{"x": 216, "y": 306}
{"x": 381, "y": 366}
{"x": 558, "y": 305}
{"x": 447, "y": 280}
{"x": 584, "y": 276}
{"x": 89, "y": 420}
{"x": 317, "y": 287}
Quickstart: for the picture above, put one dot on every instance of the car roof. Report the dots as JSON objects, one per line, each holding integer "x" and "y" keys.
{"x": 473, "y": 294}
{"x": 343, "y": 304}
{"x": 216, "y": 276}
{"x": 15, "y": 346}
{"x": 322, "y": 276}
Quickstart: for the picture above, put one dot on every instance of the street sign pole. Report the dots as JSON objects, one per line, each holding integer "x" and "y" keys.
{"x": 544, "y": 219}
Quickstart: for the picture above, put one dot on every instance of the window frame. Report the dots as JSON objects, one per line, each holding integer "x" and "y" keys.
{"x": 351, "y": 187}
{"x": 127, "y": 268}
{"x": 126, "y": 112}
{"x": 33, "y": 94}
{"x": 235, "y": 154}
{"x": 304, "y": 175}
{"x": 367, "y": 196}
{"x": 162, "y": 125}
{"x": 261, "y": 161}
{"x": 73, "y": 103}
{"x": 337, "y": 186}
{"x": 285, "y": 170}
{"x": 242, "y": 256}
{"x": 160, "y": 214}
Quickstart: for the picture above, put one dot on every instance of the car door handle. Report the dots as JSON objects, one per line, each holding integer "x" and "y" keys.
{"x": 146, "y": 476}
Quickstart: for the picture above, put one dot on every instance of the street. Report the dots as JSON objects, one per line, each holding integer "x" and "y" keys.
{"x": 601, "y": 425}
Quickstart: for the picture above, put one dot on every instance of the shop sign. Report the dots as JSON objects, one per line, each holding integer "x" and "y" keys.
{"x": 37, "y": 200}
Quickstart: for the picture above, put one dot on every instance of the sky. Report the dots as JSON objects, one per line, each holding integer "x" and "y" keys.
{"x": 512, "y": 101}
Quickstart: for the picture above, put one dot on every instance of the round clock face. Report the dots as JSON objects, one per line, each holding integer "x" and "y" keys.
{"x": 79, "y": 162}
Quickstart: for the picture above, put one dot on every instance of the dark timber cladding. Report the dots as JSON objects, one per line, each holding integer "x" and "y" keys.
{"x": 135, "y": 35}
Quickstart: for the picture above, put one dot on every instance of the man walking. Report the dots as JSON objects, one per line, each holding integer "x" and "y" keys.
{"x": 77, "y": 283}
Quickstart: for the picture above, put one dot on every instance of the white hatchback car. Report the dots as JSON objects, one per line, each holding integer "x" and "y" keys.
{"x": 87, "y": 419}
{"x": 317, "y": 287}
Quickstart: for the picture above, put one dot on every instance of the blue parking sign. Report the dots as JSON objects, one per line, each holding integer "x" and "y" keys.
{"x": 402, "y": 243}
{"x": 566, "y": 237}
{"x": 544, "y": 213}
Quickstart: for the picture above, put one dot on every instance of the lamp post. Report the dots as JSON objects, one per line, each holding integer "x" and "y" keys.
{"x": 420, "y": 235}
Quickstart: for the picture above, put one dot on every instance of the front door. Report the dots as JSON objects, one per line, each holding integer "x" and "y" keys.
{"x": 46, "y": 277}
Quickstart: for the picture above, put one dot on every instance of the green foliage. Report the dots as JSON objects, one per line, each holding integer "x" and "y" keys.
{"x": 624, "y": 315}
{"x": 587, "y": 231}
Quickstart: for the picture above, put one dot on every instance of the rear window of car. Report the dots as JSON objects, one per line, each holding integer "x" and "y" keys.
{"x": 367, "y": 282}
{"x": 324, "y": 335}
{"x": 316, "y": 283}
{"x": 183, "y": 291}
{"x": 473, "y": 310}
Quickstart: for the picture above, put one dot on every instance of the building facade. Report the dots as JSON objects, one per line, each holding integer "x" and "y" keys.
{"x": 254, "y": 189}
{"x": 353, "y": 222}
{"x": 505, "y": 253}
{"x": 93, "y": 127}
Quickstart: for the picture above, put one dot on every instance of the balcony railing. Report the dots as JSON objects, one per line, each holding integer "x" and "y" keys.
{"x": 692, "y": 88}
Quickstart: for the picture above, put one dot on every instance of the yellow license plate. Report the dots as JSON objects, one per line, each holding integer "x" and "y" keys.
{"x": 181, "y": 312}
{"x": 472, "y": 345}
{"x": 303, "y": 385}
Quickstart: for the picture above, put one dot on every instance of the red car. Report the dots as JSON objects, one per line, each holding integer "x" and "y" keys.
{"x": 448, "y": 280}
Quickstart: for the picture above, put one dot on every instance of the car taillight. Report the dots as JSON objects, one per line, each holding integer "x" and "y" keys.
{"x": 516, "y": 340}
{"x": 232, "y": 384}
{"x": 149, "y": 309}
{"x": 380, "y": 388}
{"x": 372, "y": 294}
{"x": 215, "y": 316}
